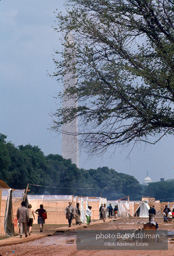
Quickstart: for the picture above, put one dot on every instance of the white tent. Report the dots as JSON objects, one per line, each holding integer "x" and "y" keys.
{"x": 125, "y": 208}
{"x": 143, "y": 210}
{"x": 83, "y": 201}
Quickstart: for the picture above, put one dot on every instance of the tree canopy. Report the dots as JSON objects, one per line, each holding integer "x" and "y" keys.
{"x": 124, "y": 65}
{"x": 54, "y": 175}
{"x": 162, "y": 190}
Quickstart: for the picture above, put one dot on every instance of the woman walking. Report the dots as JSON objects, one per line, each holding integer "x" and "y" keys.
{"x": 31, "y": 217}
{"x": 41, "y": 219}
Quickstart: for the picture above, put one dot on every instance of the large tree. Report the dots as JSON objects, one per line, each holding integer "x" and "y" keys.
{"x": 125, "y": 68}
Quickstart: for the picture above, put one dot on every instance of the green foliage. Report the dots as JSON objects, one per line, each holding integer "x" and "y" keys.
{"x": 5, "y": 160}
{"x": 162, "y": 190}
{"x": 124, "y": 63}
{"x": 54, "y": 175}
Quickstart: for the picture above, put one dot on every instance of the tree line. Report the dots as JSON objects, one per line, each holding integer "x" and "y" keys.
{"x": 161, "y": 190}
{"x": 27, "y": 164}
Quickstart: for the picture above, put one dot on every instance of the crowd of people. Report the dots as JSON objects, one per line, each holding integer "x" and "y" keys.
{"x": 104, "y": 212}
{"x": 74, "y": 213}
{"x": 167, "y": 213}
{"x": 108, "y": 211}
{"x": 25, "y": 216}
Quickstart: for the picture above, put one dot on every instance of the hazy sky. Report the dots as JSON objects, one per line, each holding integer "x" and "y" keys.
{"x": 27, "y": 43}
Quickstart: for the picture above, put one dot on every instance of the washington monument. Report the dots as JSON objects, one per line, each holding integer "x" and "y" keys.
{"x": 70, "y": 148}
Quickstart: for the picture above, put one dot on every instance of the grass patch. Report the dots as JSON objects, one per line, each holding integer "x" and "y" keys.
{"x": 3, "y": 237}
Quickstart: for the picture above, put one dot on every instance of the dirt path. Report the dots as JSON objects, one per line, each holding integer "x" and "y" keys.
{"x": 65, "y": 244}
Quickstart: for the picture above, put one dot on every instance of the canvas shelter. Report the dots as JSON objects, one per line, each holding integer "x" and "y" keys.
{"x": 55, "y": 206}
{"x": 142, "y": 210}
{"x": 96, "y": 202}
{"x": 83, "y": 201}
{"x": 125, "y": 208}
{"x": 10, "y": 200}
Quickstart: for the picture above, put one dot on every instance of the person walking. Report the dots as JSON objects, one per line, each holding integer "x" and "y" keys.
{"x": 22, "y": 217}
{"x": 100, "y": 211}
{"x": 110, "y": 210}
{"x": 41, "y": 218}
{"x": 77, "y": 214}
{"x": 165, "y": 212}
{"x": 152, "y": 213}
{"x": 69, "y": 213}
{"x": 88, "y": 215}
{"x": 31, "y": 217}
{"x": 104, "y": 211}
{"x": 115, "y": 210}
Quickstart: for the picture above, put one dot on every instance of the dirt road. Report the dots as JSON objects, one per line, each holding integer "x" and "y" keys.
{"x": 65, "y": 244}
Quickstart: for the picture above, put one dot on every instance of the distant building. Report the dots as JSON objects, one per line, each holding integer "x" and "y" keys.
{"x": 147, "y": 180}
{"x": 161, "y": 179}
{"x": 70, "y": 148}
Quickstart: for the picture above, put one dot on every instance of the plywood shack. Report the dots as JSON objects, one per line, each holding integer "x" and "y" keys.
{"x": 96, "y": 202}
{"x": 149, "y": 200}
{"x": 1, "y": 216}
{"x": 4, "y": 196}
{"x": 55, "y": 206}
{"x": 3, "y": 186}
{"x": 17, "y": 196}
{"x": 157, "y": 205}
{"x": 125, "y": 208}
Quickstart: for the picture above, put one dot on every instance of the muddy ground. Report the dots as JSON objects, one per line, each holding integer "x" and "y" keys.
{"x": 64, "y": 244}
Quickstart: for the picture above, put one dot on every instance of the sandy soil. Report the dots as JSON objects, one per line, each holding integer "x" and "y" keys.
{"x": 65, "y": 244}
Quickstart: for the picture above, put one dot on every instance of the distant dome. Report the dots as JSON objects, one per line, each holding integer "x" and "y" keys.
{"x": 147, "y": 180}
